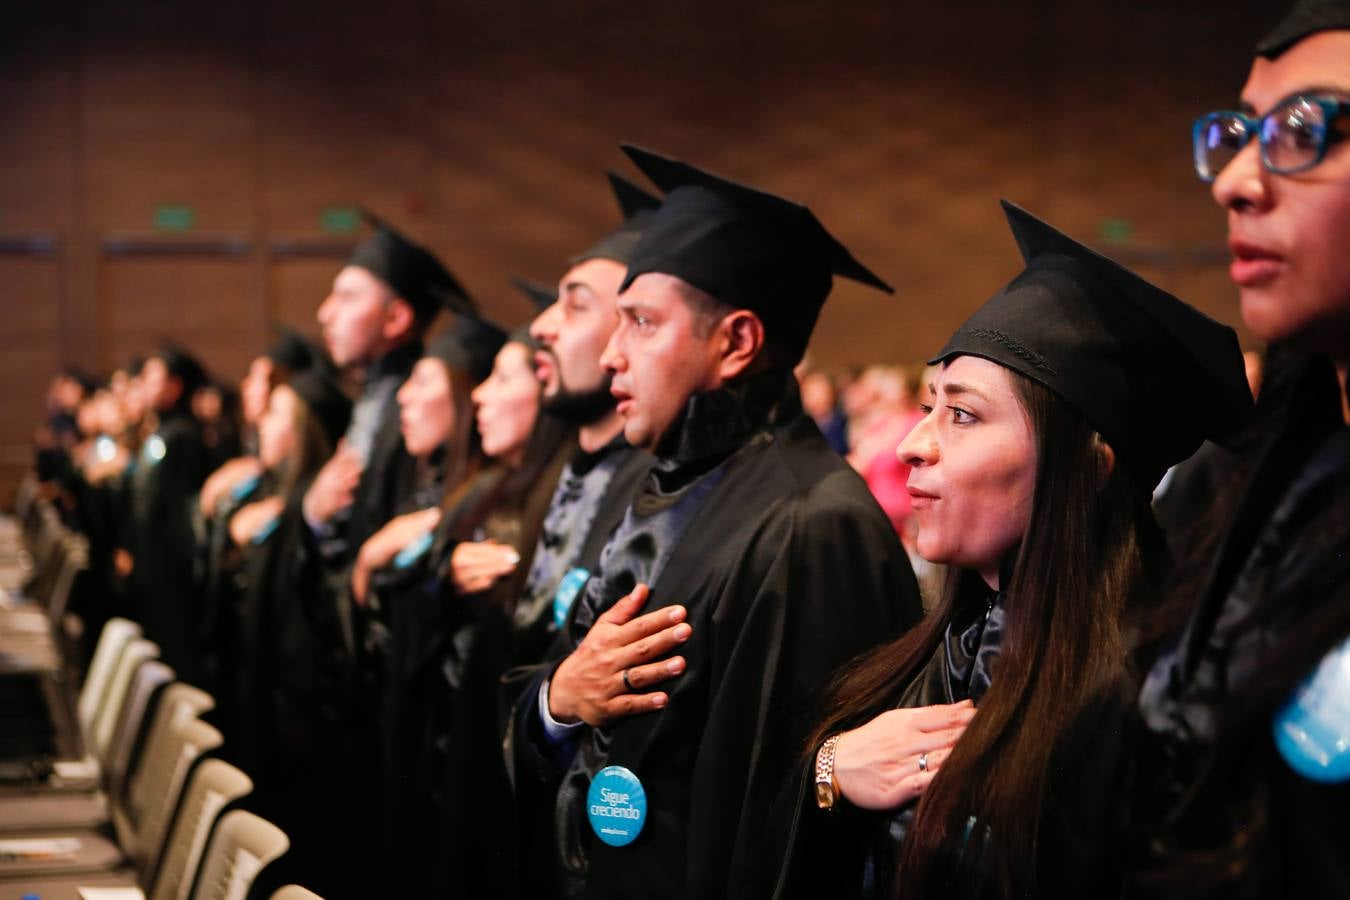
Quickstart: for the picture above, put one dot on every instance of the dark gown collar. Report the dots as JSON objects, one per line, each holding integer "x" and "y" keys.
{"x": 971, "y": 645}
{"x": 715, "y": 424}
{"x": 399, "y": 361}
{"x": 583, "y": 461}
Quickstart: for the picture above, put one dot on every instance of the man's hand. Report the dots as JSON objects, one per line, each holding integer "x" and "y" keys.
{"x": 334, "y": 487}
{"x": 381, "y": 547}
{"x": 222, "y": 481}
{"x": 589, "y": 685}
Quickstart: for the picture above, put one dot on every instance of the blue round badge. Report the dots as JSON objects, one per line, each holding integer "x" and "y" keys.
{"x": 1312, "y": 731}
{"x": 616, "y": 804}
{"x": 413, "y": 550}
{"x": 568, "y": 588}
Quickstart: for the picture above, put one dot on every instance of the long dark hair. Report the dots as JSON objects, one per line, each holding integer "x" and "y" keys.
{"x": 1090, "y": 549}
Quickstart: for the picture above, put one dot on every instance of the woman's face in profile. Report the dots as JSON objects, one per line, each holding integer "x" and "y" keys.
{"x": 507, "y": 403}
{"x": 973, "y": 460}
{"x": 426, "y": 408}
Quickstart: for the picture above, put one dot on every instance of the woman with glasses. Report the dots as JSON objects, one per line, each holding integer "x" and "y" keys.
{"x": 969, "y": 758}
{"x": 1245, "y": 757}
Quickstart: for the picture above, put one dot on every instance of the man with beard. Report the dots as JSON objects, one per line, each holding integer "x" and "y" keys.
{"x": 597, "y": 483}
{"x": 769, "y": 563}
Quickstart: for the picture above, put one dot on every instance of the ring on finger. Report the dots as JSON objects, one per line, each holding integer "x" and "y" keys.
{"x": 923, "y": 762}
{"x": 626, "y": 683}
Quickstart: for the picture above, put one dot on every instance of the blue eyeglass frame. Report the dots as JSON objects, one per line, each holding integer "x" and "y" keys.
{"x": 1332, "y": 108}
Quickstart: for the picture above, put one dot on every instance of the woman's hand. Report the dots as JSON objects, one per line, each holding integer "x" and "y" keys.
{"x": 251, "y": 518}
{"x": 877, "y": 765}
{"x": 222, "y": 481}
{"x": 476, "y": 566}
{"x": 381, "y": 547}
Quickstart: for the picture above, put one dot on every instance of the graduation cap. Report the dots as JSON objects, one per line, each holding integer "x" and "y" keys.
{"x": 410, "y": 270}
{"x": 470, "y": 345}
{"x": 184, "y": 366}
{"x": 1153, "y": 375}
{"x": 317, "y": 385}
{"x": 1307, "y": 17}
{"x": 747, "y": 248}
{"x": 293, "y": 351}
{"x": 541, "y": 297}
{"x": 637, "y": 207}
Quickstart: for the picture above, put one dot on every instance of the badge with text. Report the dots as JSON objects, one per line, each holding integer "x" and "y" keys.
{"x": 413, "y": 550}
{"x": 568, "y": 588}
{"x": 1312, "y": 731}
{"x": 616, "y": 804}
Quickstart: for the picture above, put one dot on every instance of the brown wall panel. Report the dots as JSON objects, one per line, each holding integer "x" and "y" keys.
{"x": 483, "y": 128}
{"x": 204, "y": 304}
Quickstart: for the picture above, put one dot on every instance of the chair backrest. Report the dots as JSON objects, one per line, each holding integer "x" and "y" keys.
{"x": 112, "y": 641}
{"x": 241, "y": 845}
{"x": 74, "y": 561}
{"x": 26, "y": 495}
{"x": 294, "y": 892}
{"x": 157, "y": 786}
{"x": 140, "y": 702}
{"x": 138, "y": 652}
{"x": 214, "y": 784}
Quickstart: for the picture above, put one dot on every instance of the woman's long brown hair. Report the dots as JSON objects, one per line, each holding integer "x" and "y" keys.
{"x": 1088, "y": 550}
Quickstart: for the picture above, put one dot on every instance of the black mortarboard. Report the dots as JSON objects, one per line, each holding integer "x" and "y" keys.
{"x": 1307, "y": 17}
{"x": 293, "y": 351}
{"x": 541, "y": 297}
{"x": 317, "y": 385}
{"x": 637, "y": 207}
{"x": 1154, "y": 376}
{"x": 470, "y": 344}
{"x": 410, "y": 270}
{"x": 184, "y": 366}
{"x": 747, "y": 248}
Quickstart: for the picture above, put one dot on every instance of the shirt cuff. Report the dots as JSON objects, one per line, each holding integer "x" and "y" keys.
{"x": 556, "y": 732}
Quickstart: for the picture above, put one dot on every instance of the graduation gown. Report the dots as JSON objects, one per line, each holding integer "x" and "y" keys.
{"x": 788, "y": 568}
{"x": 167, "y": 476}
{"x": 849, "y": 852}
{"x": 1276, "y": 599}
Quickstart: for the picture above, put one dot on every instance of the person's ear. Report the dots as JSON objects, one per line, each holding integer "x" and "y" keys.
{"x": 399, "y": 319}
{"x": 741, "y": 335}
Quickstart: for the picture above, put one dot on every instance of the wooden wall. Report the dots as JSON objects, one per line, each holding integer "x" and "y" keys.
{"x": 482, "y": 128}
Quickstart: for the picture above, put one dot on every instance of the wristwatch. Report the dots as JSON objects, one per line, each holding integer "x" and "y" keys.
{"x": 827, "y": 786}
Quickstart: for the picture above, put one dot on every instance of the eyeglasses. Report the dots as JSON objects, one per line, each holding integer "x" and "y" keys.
{"x": 1294, "y": 136}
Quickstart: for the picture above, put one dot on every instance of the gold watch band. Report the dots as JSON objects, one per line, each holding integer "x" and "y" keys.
{"x": 827, "y": 787}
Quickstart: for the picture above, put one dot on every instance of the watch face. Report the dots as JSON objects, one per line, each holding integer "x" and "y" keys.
{"x": 824, "y": 795}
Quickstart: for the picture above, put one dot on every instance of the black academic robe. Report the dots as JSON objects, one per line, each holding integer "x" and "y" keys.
{"x": 167, "y": 476}
{"x": 849, "y": 852}
{"x": 788, "y": 568}
{"x": 292, "y": 729}
{"x": 1219, "y": 811}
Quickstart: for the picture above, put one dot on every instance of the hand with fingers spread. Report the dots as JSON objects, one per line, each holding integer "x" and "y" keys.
{"x": 334, "y": 487}
{"x": 891, "y": 760}
{"x": 381, "y": 547}
{"x": 599, "y": 682}
{"x": 477, "y": 565}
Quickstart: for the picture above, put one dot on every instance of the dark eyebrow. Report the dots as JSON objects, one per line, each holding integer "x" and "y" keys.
{"x": 1312, "y": 90}
{"x": 953, "y": 390}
